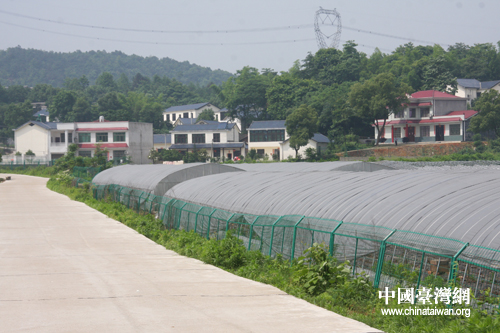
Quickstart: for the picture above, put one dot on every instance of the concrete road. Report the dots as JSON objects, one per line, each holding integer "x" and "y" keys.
{"x": 65, "y": 267}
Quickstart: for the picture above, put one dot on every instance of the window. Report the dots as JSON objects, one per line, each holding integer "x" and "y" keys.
{"x": 84, "y": 137}
{"x": 400, "y": 114}
{"x": 397, "y": 132}
{"x": 198, "y": 138}
{"x": 216, "y": 152}
{"x": 85, "y": 153}
{"x": 119, "y": 137}
{"x": 216, "y": 137}
{"x": 266, "y": 136}
{"x": 412, "y": 113}
{"x": 478, "y": 94}
{"x": 186, "y": 115}
{"x": 167, "y": 117}
{"x": 173, "y": 117}
{"x": 63, "y": 137}
{"x": 260, "y": 153}
{"x": 216, "y": 117}
{"x": 101, "y": 137}
{"x": 118, "y": 154}
{"x": 425, "y": 131}
{"x": 181, "y": 138}
{"x": 192, "y": 115}
{"x": 455, "y": 129}
{"x": 70, "y": 137}
{"x": 424, "y": 112}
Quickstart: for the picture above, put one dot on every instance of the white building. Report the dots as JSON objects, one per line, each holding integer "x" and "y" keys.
{"x": 220, "y": 139}
{"x": 472, "y": 88}
{"x": 189, "y": 111}
{"x": 270, "y": 137}
{"x": 120, "y": 138}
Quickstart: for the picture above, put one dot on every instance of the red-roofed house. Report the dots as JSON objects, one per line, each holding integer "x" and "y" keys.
{"x": 429, "y": 117}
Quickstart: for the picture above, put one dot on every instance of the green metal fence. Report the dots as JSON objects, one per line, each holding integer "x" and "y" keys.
{"x": 86, "y": 172}
{"x": 389, "y": 257}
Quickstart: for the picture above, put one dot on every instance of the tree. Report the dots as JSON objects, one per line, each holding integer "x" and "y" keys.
{"x": 488, "y": 118}
{"x": 207, "y": 114}
{"x": 301, "y": 125}
{"x": 111, "y": 106}
{"x": 107, "y": 81}
{"x": 245, "y": 95}
{"x": 377, "y": 98}
{"x": 17, "y": 114}
{"x": 81, "y": 110}
{"x": 62, "y": 105}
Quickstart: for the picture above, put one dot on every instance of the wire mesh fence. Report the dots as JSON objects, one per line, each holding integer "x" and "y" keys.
{"x": 387, "y": 256}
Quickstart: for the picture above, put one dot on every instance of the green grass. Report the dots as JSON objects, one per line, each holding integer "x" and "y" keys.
{"x": 316, "y": 278}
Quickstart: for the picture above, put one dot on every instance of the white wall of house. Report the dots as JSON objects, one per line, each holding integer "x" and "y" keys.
{"x": 288, "y": 151}
{"x": 191, "y": 113}
{"x": 35, "y": 138}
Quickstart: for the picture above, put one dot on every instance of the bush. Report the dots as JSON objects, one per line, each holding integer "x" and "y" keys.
{"x": 227, "y": 253}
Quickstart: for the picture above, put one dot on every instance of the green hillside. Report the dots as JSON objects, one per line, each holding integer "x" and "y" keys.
{"x": 29, "y": 67}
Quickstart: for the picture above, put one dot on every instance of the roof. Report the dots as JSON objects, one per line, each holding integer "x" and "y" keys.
{"x": 48, "y": 126}
{"x": 431, "y": 94}
{"x": 162, "y": 138}
{"x": 186, "y": 121}
{"x": 318, "y": 137}
{"x": 43, "y": 112}
{"x": 267, "y": 124}
{"x": 466, "y": 113}
{"x": 186, "y": 107}
{"x": 469, "y": 83}
{"x": 489, "y": 84}
{"x": 211, "y": 126}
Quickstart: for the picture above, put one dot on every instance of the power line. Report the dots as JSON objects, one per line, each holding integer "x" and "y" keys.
{"x": 289, "y": 27}
{"x": 393, "y": 36}
{"x": 158, "y": 43}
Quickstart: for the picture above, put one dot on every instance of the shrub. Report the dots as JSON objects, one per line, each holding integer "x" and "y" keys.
{"x": 228, "y": 253}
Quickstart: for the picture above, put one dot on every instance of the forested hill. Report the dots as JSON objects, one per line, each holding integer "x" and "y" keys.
{"x": 29, "y": 67}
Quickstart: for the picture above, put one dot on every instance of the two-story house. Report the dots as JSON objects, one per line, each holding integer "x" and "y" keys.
{"x": 51, "y": 140}
{"x": 430, "y": 116}
{"x": 270, "y": 137}
{"x": 189, "y": 111}
{"x": 472, "y": 88}
{"x": 220, "y": 139}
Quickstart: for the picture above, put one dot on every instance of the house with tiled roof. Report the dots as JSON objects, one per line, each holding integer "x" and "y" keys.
{"x": 220, "y": 139}
{"x": 270, "y": 137}
{"x": 472, "y": 88}
{"x": 189, "y": 111}
{"x": 430, "y": 116}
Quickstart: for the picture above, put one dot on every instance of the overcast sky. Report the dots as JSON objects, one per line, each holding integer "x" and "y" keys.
{"x": 444, "y": 22}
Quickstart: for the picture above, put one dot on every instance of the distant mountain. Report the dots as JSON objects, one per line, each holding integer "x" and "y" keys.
{"x": 30, "y": 67}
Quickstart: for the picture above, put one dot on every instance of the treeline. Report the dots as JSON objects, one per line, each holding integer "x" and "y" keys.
{"x": 140, "y": 99}
{"x": 322, "y": 81}
{"x": 30, "y": 67}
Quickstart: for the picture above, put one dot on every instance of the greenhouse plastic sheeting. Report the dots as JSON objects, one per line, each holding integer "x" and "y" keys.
{"x": 458, "y": 205}
{"x": 389, "y": 257}
{"x": 157, "y": 178}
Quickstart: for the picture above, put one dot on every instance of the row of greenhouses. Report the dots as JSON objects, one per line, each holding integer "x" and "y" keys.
{"x": 400, "y": 227}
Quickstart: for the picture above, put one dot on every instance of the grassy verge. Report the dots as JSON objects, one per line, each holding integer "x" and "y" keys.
{"x": 315, "y": 278}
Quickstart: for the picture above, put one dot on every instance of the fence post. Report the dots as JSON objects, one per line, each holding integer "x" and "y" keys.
{"x": 355, "y": 254}
{"x": 294, "y": 236}
{"x": 209, "y": 221}
{"x": 165, "y": 210}
{"x": 227, "y": 223}
{"x": 332, "y": 237}
{"x": 196, "y": 219}
{"x": 179, "y": 216}
{"x": 452, "y": 263}
{"x": 251, "y": 233}
{"x": 380, "y": 262}
{"x": 272, "y": 235}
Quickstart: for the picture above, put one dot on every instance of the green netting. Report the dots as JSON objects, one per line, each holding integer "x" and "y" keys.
{"x": 387, "y": 256}
{"x": 86, "y": 172}
{"x": 431, "y": 244}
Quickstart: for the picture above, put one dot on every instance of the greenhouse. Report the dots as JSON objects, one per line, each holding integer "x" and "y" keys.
{"x": 406, "y": 227}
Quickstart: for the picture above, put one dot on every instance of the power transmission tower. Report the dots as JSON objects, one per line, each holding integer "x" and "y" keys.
{"x": 327, "y": 18}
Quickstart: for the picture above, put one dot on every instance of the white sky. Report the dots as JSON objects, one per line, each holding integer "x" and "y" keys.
{"x": 445, "y": 22}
